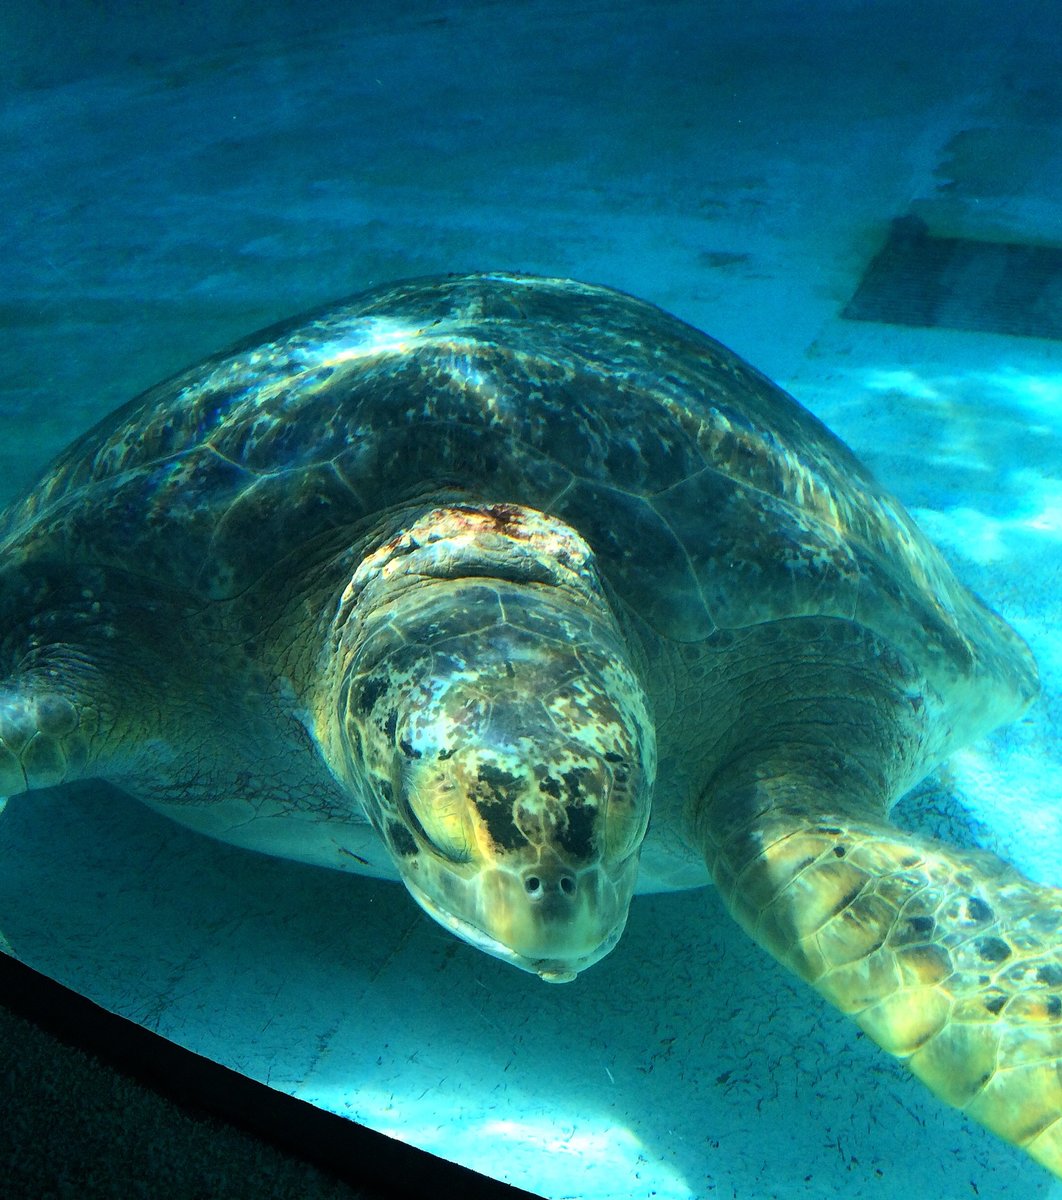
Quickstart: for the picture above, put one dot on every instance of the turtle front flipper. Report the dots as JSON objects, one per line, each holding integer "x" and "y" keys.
{"x": 82, "y": 654}
{"x": 44, "y": 741}
{"x": 950, "y": 960}
{"x": 44, "y": 738}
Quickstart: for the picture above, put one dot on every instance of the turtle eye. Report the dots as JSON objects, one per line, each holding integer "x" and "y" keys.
{"x": 626, "y": 813}
{"x": 436, "y": 813}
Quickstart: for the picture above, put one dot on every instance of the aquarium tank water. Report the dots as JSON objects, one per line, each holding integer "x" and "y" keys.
{"x": 862, "y": 200}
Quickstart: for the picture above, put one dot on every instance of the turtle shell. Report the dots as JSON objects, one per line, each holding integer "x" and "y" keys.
{"x": 712, "y": 500}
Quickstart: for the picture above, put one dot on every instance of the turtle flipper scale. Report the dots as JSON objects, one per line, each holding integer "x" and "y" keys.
{"x": 44, "y": 739}
{"x": 949, "y": 959}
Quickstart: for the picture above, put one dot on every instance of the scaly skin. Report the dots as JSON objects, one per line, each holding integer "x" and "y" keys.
{"x": 950, "y": 960}
{"x": 477, "y": 697}
{"x": 43, "y": 740}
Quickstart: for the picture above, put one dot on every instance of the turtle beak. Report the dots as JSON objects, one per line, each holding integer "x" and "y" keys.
{"x": 552, "y": 919}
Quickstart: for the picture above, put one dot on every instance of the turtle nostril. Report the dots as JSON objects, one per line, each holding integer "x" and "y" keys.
{"x": 539, "y": 887}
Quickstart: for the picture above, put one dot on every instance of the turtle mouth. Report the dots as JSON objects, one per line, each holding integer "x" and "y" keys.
{"x": 550, "y": 969}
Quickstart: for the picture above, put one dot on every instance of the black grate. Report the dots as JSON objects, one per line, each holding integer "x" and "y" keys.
{"x": 956, "y": 283}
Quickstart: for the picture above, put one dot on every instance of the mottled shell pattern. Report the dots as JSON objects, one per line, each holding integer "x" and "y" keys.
{"x": 711, "y": 499}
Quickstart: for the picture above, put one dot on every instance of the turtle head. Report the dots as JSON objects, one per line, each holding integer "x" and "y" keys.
{"x": 503, "y": 749}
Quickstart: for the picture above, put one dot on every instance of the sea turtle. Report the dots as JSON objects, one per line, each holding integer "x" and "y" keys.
{"x": 532, "y": 596}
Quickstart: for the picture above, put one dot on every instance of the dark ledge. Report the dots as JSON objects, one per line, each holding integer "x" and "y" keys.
{"x": 349, "y": 1151}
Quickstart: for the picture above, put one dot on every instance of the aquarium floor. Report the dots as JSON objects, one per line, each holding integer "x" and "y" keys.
{"x": 171, "y": 183}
